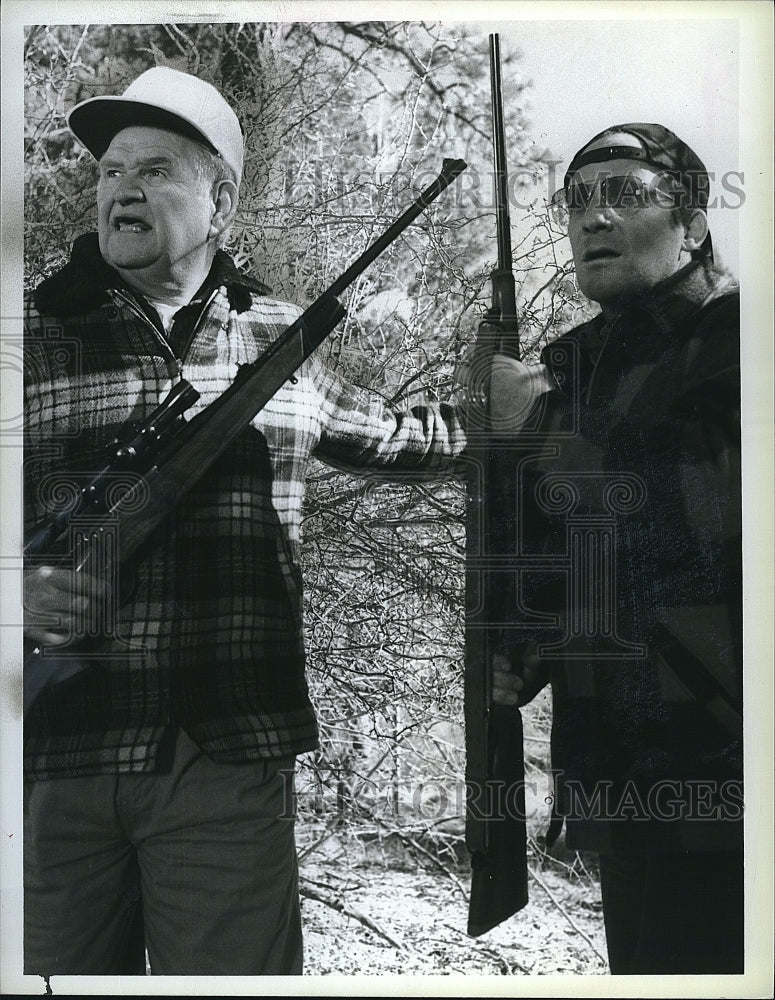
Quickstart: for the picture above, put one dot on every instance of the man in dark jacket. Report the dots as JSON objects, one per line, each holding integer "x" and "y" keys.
{"x": 631, "y": 512}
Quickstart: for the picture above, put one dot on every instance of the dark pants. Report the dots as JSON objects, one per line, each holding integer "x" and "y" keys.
{"x": 670, "y": 914}
{"x": 197, "y": 865}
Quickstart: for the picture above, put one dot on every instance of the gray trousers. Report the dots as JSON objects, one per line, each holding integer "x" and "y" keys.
{"x": 197, "y": 865}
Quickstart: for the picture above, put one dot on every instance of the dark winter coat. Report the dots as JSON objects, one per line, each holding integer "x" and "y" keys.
{"x": 633, "y": 512}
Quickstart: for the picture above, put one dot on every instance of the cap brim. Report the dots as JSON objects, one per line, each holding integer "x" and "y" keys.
{"x": 95, "y": 122}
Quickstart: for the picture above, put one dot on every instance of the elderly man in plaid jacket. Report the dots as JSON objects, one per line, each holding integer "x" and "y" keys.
{"x": 157, "y": 783}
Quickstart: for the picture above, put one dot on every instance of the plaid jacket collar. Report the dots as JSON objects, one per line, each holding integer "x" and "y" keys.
{"x": 83, "y": 283}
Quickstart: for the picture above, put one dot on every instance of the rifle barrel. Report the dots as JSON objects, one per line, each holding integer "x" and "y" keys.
{"x": 450, "y": 169}
{"x": 184, "y": 459}
{"x": 496, "y": 832}
{"x": 200, "y": 441}
{"x": 501, "y": 170}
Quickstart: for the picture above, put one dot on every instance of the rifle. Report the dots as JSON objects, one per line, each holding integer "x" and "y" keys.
{"x": 496, "y": 833}
{"x": 164, "y": 458}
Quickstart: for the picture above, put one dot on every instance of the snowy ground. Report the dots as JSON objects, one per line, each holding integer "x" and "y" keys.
{"x": 391, "y": 914}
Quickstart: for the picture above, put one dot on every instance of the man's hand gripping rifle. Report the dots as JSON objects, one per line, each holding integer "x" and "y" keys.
{"x": 495, "y": 824}
{"x": 164, "y": 458}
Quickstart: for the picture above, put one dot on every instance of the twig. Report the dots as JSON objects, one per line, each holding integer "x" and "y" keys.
{"x": 507, "y": 965}
{"x": 327, "y": 885}
{"x": 336, "y": 904}
{"x": 428, "y": 854}
{"x": 314, "y": 846}
{"x": 567, "y": 916}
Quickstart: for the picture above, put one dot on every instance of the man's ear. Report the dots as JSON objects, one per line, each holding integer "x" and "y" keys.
{"x": 224, "y": 207}
{"x": 695, "y": 231}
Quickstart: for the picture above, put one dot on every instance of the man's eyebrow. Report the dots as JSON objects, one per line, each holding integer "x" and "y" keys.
{"x": 148, "y": 161}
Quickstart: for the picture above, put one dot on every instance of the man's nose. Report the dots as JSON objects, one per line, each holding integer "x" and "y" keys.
{"x": 128, "y": 190}
{"x": 597, "y": 217}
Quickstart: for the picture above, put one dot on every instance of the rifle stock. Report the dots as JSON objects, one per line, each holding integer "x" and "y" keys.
{"x": 496, "y": 833}
{"x": 168, "y": 461}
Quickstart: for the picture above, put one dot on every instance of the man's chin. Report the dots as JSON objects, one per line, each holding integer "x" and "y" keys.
{"x": 129, "y": 262}
{"x": 127, "y": 253}
{"x": 606, "y": 289}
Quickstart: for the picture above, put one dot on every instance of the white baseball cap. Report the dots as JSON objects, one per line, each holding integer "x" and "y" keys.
{"x": 162, "y": 98}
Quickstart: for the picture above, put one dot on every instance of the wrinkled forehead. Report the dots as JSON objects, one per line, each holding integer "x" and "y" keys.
{"x": 137, "y": 138}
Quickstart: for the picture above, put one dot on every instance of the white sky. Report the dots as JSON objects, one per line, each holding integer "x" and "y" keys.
{"x": 589, "y": 74}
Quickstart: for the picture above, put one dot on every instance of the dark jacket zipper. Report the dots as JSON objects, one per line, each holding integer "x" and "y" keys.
{"x": 138, "y": 312}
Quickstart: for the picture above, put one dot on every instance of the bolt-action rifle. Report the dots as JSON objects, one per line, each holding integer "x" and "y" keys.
{"x": 154, "y": 465}
{"x": 495, "y": 818}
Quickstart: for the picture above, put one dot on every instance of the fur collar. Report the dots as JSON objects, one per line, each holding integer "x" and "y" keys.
{"x": 666, "y": 306}
{"x": 82, "y": 284}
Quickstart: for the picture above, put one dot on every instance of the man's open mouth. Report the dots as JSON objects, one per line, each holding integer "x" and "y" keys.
{"x": 600, "y": 254}
{"x": 130, "y": 224}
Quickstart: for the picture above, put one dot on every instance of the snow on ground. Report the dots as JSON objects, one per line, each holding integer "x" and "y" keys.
{"x": 423, "y": 914}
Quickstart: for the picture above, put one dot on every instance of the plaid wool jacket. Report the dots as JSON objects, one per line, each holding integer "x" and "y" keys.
{"x": 209, "y": 630}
